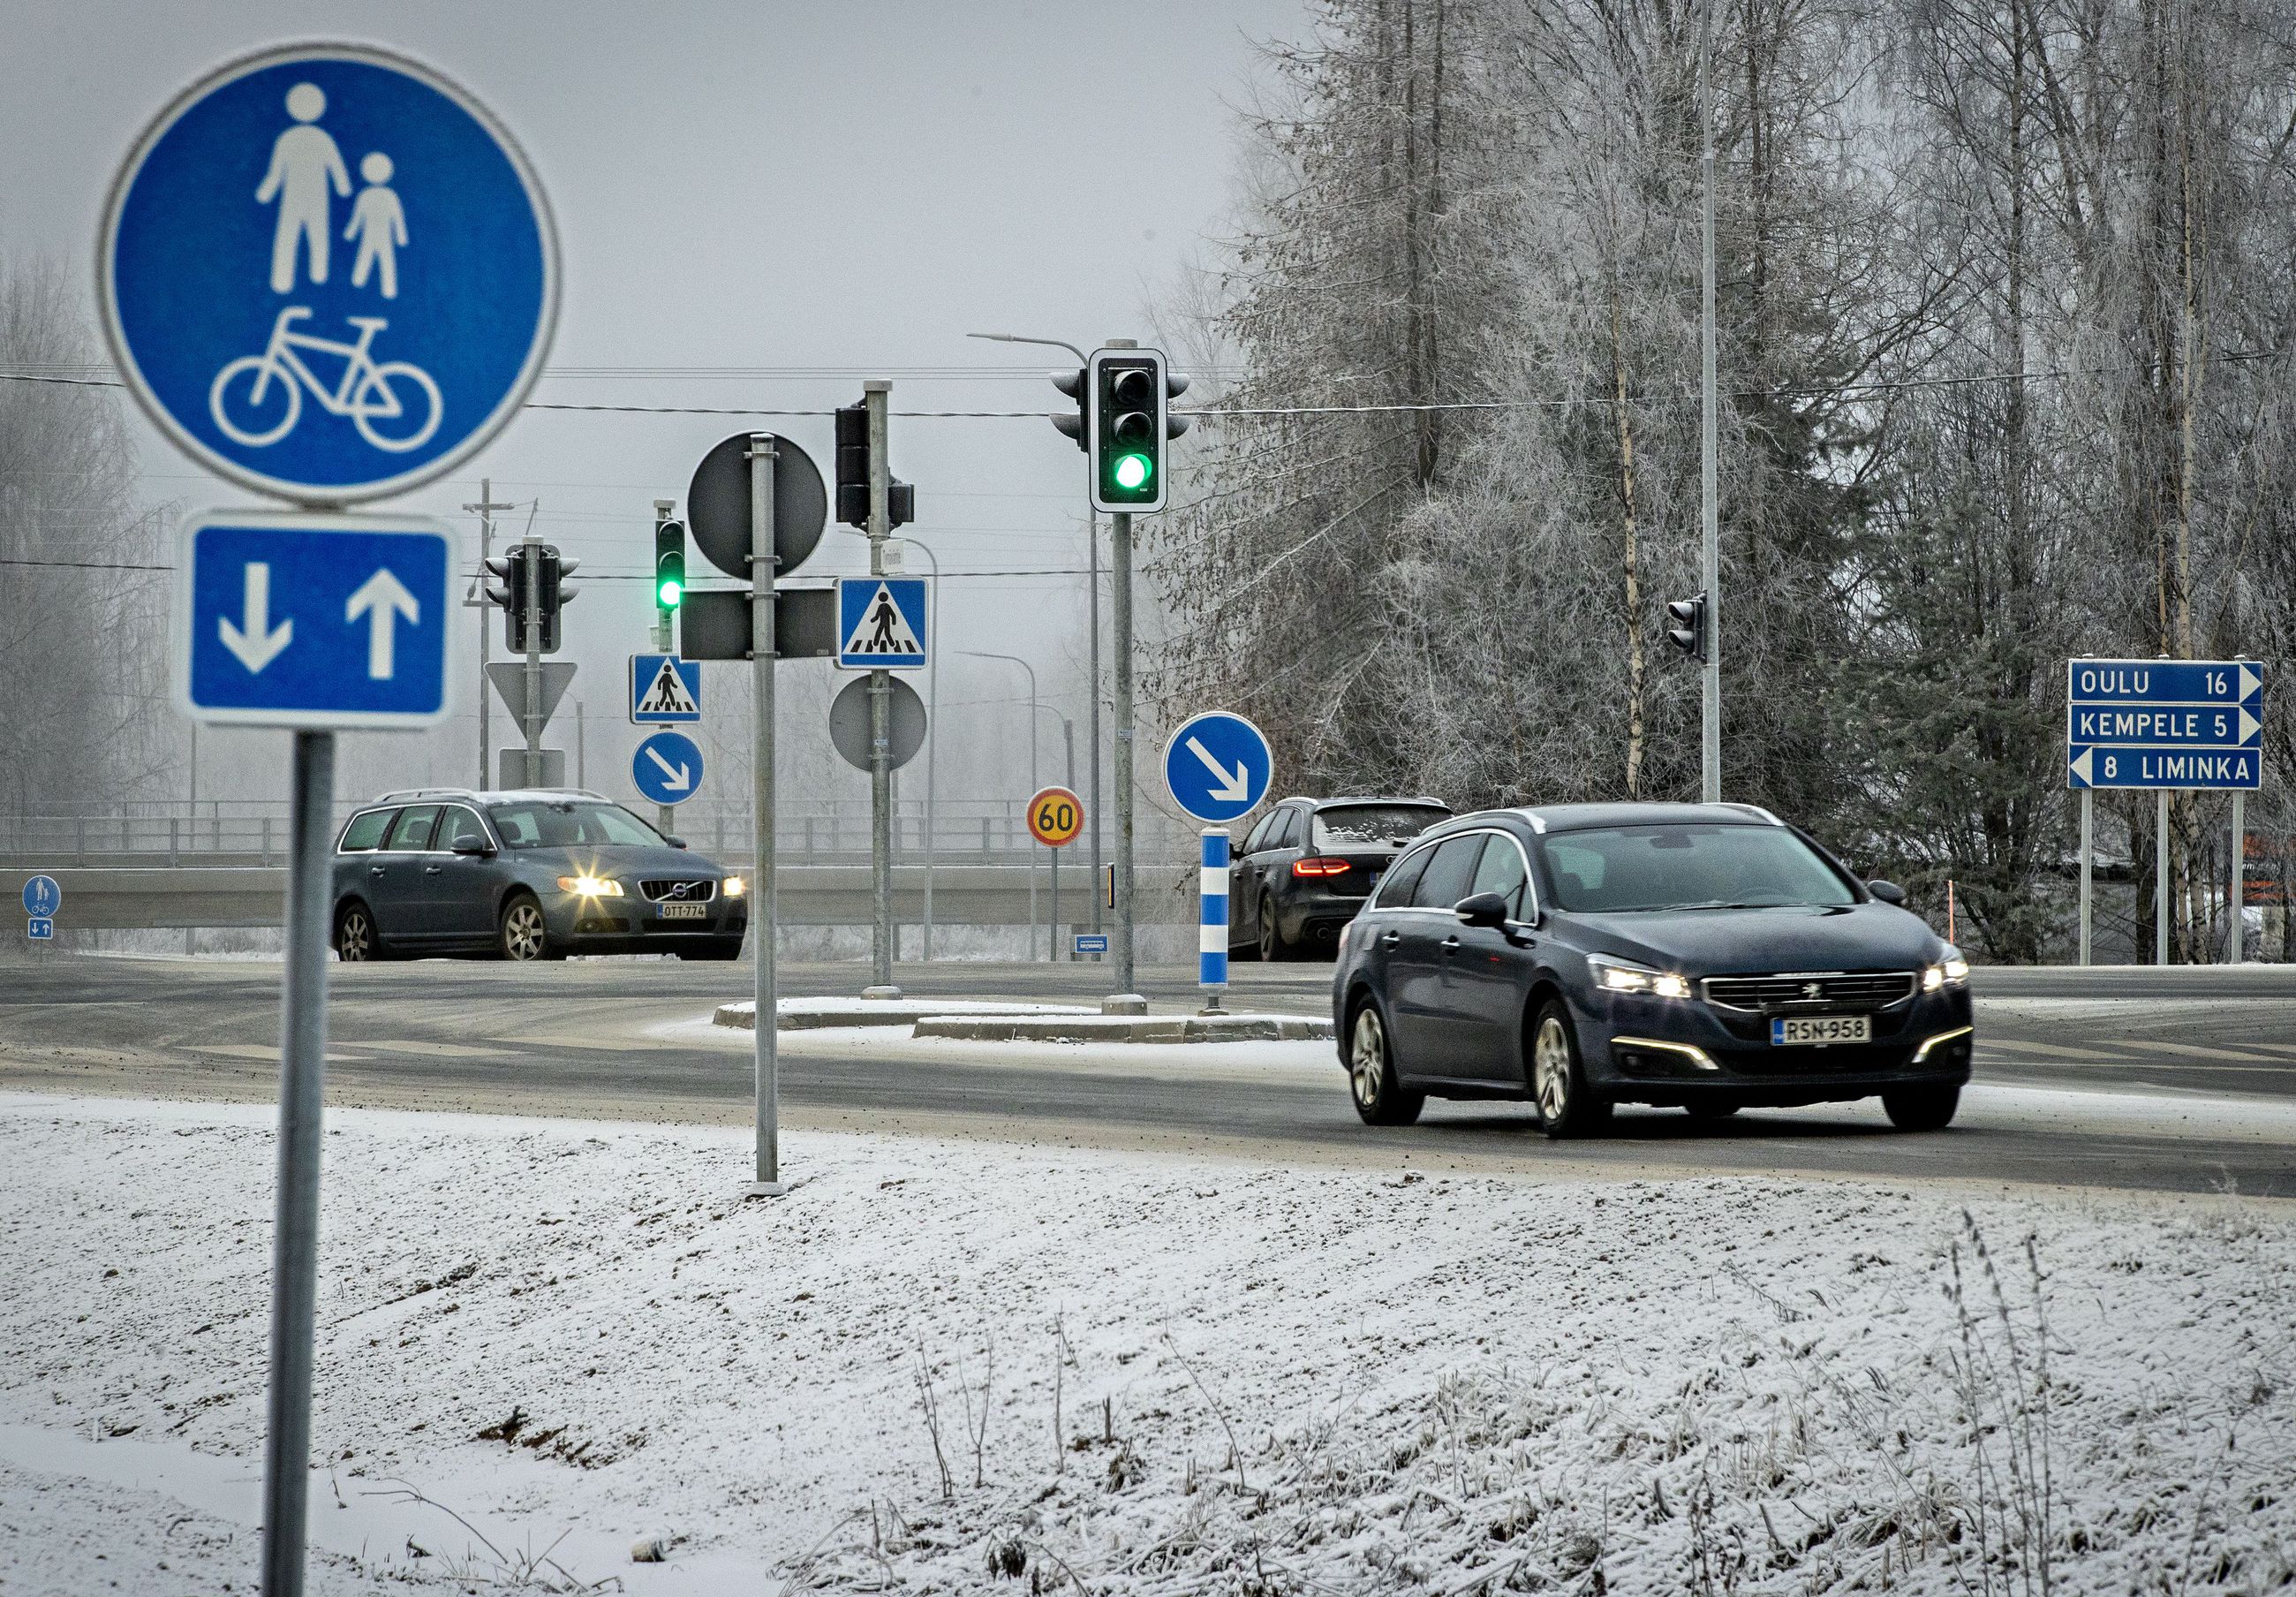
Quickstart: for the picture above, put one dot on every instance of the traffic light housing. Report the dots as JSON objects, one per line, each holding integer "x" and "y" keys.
{"x": 1127, "y": 421}
{"x": 508, "y": 590}
{"x": 554, "y": 591}
{"x": 520, "y": 624}
{"x": 1688, "y": 631}
{"x": 853, "y": 474}
{"x": 669, "y": 567}
{"x": 1070, "y": 383}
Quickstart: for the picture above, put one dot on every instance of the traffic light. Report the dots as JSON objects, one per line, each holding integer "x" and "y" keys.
{"x": 524, "y": 625}
{"x": 1688, "y": 632}
{"x": 508, "y": 590}
{"x": 853, "y": 474}
{"x": 669, "y": 567}
{"x": 1070, "y": 383}
{"x": 553, "y": 591}
{"x": 1127, "y": 420}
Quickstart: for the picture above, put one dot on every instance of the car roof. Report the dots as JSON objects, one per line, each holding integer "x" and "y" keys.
{"x": 1417, "y": 799}
{"x": 502, "y": 795}
{"x": 1580, "y": 818}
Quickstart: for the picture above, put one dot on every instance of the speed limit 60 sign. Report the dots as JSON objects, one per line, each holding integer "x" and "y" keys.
{"x": 1055, "y": 816}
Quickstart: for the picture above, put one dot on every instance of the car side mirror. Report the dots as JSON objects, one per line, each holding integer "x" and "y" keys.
{"x": 473, "y": 845}
{"x": 1482, "y": 910}
{"x": 1889, "y": 893}
{"x": 673, "y": 839}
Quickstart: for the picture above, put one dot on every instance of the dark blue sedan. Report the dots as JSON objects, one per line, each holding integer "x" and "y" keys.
{"x": 525, "y": 875}
{"x": 1709, "y": 957}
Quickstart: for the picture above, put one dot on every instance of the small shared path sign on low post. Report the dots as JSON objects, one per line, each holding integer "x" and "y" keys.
{"x": 43, "y": 897}
{"x": 327, "y": 274}
{"x": 2163, "y": 724}
{"x": 1217, "y": 766}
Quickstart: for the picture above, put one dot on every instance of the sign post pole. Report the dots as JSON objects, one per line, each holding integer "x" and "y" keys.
{"x": 1120, "y": 570}
{"x": 877, "y": 394}
{"x": 1211, "y": 939}
{"x": 2160, "y": 883}
{"x": 2088, "y": 814}
{"x": 295, "y": 1235}
{"x": 764, "y": 1013}
{"x": 2239, "y": 866}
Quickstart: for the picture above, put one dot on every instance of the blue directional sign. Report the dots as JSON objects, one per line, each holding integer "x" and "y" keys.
{"x": 667, "y": 768}
{"x": 327, "y": 273}
{"x": 40, "y": 929}
{"x": 285, "y": 620}
{"x": 1217, "y": 766}
{"x": 42, "y": 897}
{"x": 665, "y": 691}
{"x": 1092, "y": 943}
{"x": 880, "y": 623}
{"x": 2164, "y": 724}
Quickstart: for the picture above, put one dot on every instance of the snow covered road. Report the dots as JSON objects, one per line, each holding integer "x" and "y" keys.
{"x": 940, "y": 1357}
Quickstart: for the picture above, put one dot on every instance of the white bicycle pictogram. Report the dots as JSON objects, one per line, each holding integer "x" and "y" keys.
{"x": 369, "y": 394}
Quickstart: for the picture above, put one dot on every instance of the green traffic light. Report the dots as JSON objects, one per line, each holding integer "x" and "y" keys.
{"x": 667, "y": 595}
{"x": 1132, "y": 471}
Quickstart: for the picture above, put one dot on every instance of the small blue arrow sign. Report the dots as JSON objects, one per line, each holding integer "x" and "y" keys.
{"x": 42, "y": 897}
{"x": 1217, "y": 766}
{"x": 880, "y": 623}
{"x": 667, "y": 768}
{"x": 40, "y": 929}
{"x": 313, "y": 621}
{"x": 327, "y": 273}
{"x": 665, "y": 691}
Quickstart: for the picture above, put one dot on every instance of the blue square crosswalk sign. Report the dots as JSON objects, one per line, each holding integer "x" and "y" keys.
{"x": 665, "y": 691}
{"x": 880, "y": 623}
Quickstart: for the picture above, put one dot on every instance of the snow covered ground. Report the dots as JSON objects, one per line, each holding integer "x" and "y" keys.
{"x": 938, "y": 1364}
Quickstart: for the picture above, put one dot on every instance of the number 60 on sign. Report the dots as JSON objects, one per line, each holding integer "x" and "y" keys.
{"x": 1055, "y": 816}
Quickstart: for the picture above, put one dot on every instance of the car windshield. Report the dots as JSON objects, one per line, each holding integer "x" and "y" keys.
{"x": 570, "y": 823}
{"x": 1621, "y": 868}
{"x": 1359, "y": 826}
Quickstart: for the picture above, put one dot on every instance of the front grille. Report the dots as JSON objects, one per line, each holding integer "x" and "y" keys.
{"x": 686, "y": 890}
{"x": 1810, "y": 991}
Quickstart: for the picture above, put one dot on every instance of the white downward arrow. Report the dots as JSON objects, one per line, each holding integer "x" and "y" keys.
{"x": 1231, "y": 789}
{"x": 381, "y": 598}
{"x": 255, "y": 642}
{"x": 675, "y": 777}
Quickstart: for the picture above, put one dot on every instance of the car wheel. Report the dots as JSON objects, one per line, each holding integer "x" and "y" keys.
{"x": 1712, "y": 1111}
{"x": 1272, "y": 944}
{"x": 1380, "y": 1099}
{"x": 356, "y": 943}
{"x": 524, "y": 933}
{"x": 1567, "y": 1106}
{"x": 1922, "y": 1108}
{"x": 717, "y": 948}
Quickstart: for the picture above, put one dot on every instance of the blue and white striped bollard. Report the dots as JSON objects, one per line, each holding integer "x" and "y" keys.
{"x": 1211, "y": 956}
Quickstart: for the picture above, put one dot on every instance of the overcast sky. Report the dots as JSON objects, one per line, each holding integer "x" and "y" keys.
{"x": 853, "y": 185}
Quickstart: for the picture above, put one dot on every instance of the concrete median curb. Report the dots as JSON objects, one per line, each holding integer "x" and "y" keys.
{"x": 802, "y": 1015}
{"x": 1125, "y": 1028}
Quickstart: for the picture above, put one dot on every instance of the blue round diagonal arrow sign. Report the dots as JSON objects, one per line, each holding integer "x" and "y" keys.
{"x": 667, "y": 768}
{"x": 1217, "y": 766}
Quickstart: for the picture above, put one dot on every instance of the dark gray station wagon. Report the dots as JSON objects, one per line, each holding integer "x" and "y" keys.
{"x": 528, "y": 875}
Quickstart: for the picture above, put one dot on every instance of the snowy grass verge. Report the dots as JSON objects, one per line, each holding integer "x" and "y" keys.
{"x": 938, "y": 1364}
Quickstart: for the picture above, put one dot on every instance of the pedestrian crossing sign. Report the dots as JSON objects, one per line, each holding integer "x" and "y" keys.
{"x": 665, "y": 691}
{"x": 880, "y": 623}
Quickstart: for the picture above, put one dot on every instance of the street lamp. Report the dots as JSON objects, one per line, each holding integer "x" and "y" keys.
{"x": 1033, "y": 707}
{"x": 1092, "y": 709}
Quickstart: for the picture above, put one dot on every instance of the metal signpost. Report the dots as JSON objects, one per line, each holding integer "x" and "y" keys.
{"x": 666, "y": 769}
{"x": 324, "y": 383}
{"x": 756, "y": 509}
{"x": 2165, "y": 725}
{"x": 1055, "y": 816}
{"x": 43, "y": 897}
{"x": 1217, "y": 766}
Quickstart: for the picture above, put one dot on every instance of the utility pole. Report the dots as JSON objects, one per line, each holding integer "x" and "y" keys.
{"x": 1092, "y": 710}
{"x": 1119, "y": 561}
{"x": 485, "y": 510}
{"x": 665, "y": 815}
{"x": 1709, "y": 742}
{"x": 876, "y": 393}
{"x": 531, "y": 571}
{"x": 764, "y": 1013}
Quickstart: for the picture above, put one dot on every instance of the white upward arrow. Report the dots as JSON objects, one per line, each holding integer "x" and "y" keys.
{"x": 1231, "y": 789}
{"x": 255, "y": 642}
{"x": 381, "y": 598}
{"x": 675, "y": 777}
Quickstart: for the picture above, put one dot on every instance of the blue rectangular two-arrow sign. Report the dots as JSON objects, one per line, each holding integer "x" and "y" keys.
{"x": 2164, "y": 724}
{"x": 291, "y": 620}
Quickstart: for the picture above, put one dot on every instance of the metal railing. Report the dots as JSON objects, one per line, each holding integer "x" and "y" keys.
{"x": 227, "y": 832}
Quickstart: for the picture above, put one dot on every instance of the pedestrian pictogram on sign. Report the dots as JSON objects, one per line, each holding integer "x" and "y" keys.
{"x": 664, "y": 690}
{"x": 880, "y": 623}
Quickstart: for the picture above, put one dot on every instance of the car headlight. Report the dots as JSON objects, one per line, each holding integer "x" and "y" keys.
{"x": 734, "y": 887}
{"x": 1951, "y": 971}
{"x": 1616, "y": 976}
{"x": 591, "y": 886}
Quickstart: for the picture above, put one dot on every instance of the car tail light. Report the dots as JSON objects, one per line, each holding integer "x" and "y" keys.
{"x": 1320, "y": 868}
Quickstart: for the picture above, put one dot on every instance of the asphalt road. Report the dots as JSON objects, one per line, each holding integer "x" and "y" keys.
{"x": 2180, "y": 1080}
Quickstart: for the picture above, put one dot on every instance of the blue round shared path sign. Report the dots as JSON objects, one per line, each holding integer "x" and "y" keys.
{"x": 666, "y": 769}
{"x": 1217, "y": 766}
{"x": 42, "y": 897}
{"x": 328, "y": 272}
